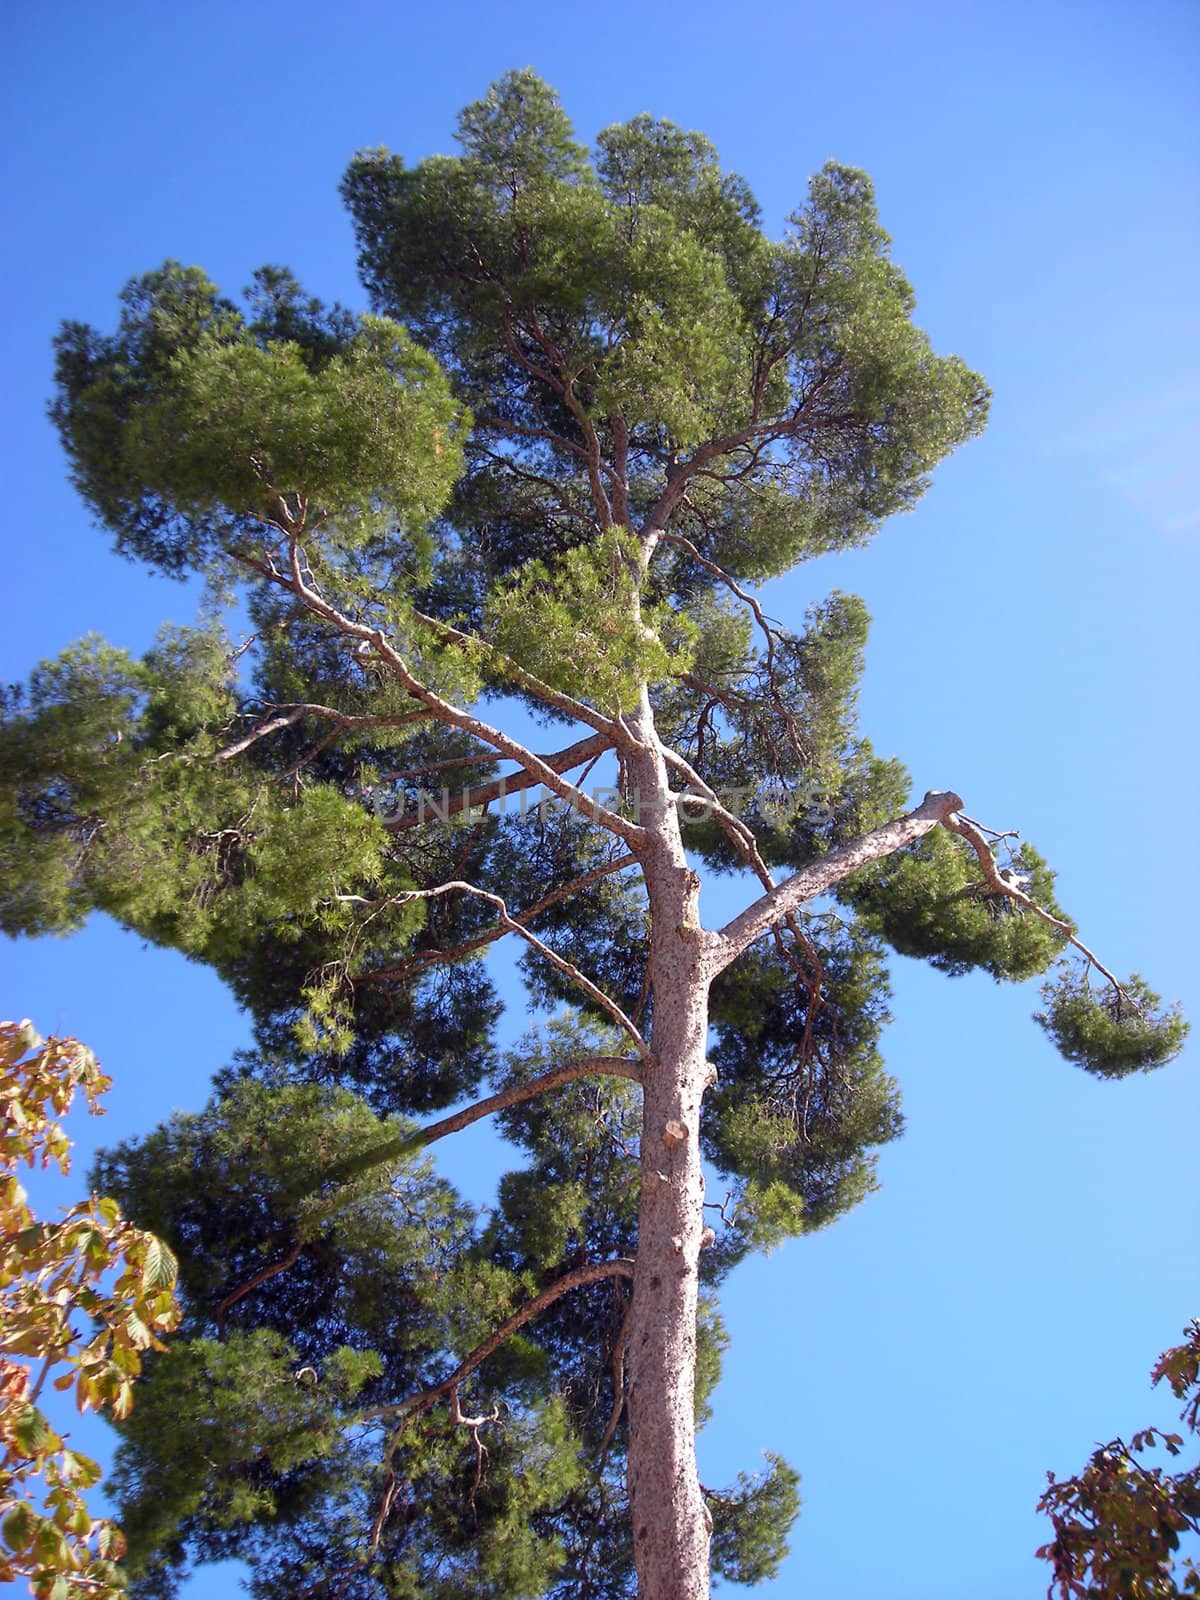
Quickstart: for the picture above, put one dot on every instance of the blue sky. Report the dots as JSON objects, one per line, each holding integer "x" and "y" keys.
{"x": 995, "y": 1309}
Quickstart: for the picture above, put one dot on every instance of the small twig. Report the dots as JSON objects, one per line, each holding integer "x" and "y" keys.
{"x": 1008, "y": 833}
{"x": 722, "y": 1207}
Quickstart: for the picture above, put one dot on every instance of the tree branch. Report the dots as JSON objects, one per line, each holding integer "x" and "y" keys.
{"x": 823, "y": 874}
{"x": 579, "y": 1278}
{"x": 617, "y": 1363}
{"x": 566, "y": 391}
{"x": 741, "y": 836}
{"x": 999, "y": 885}
{"x": 516, "y": 1094}
{"x": 609, "y": 1006}
{"x": 430, "y": 958}
{"x": 565, "y": 703}
{"x": 525, "y": 475}
{"x": 452, "y": 715}
{"x": 492, "y": 423}
{"x": 296, "y": 713}
{"x": 253, "y": 1282}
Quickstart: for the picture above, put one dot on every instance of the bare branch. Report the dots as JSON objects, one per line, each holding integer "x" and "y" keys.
{"x": 999, "y": 885}
{"x": 430, "y": 958}
{"x": 459, "y": 1421}
{"x": 734, "y": 829}
{"x": 261, "y": 732}
{"x": 578, "y": 1278}
{"x": 823, "y": 874}
{"x": 617, "y": 1363}
{"x": 251, "y": 1283}
{"x": 295, "y": 713}
{"x": 516, "y": 1094}
{"x": 609, "y": 1006}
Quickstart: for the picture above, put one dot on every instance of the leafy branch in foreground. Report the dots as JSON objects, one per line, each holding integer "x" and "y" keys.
{"x": 89, "y": 1294}
{"x": 1119, "y": 1524}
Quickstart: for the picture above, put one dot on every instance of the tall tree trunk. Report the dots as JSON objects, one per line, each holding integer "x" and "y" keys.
{"x": 670, "y": 1520}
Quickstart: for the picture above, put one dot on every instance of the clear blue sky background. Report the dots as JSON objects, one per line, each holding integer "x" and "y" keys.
{"x": 995, "y": 1309}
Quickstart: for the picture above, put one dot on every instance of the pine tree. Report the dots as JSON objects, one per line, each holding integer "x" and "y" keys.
{"x": 594, "y": 409}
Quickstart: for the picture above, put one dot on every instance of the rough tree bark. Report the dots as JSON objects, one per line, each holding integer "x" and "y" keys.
{"x": 670, "y": 1520}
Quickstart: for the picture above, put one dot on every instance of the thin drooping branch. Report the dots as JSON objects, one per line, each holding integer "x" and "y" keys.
{"x": 251, "y": 1283}
{"x": 769, "y": 634}
{"x": 484, "y": 794}
{"x": 1000, "y": 885}
{"x": 617, "y": 1364}
{"x": 524, "y": 475}
{"x": 431, "y": 958}
{"x": 821, "y": 875}
{"x": 735, "y": 588}
{"x": 568, "y": 968}
{"x": 516, "y": 1094}
{"x": 486, "y": 422}
{"x": 578, "y": 1278}
{"x": 310, "y": 755}
{"x": 735, "y": 830}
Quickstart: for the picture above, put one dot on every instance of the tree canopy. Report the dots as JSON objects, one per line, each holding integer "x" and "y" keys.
{"x": 595, "y": 407}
